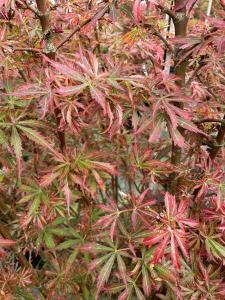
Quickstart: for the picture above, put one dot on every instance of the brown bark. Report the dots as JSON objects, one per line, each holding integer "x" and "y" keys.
{"x": 45, "y": 25}
{"x": 219, "y": 141}
{"x": 43, "y": 16}
{"x": 180, "y": 24}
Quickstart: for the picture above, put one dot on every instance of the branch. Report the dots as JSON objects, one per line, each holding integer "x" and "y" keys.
{"x": 195, "y": 73}
{"x": 180, "y": 71}
{"x": 27, "y": 6}
{"x": 167, "y": 11}
{"x": 43, "y": 16}
{"x": 210, "y": 120}
{"x": 27, "y": 49}
{"x": 158, "y": 34}
{"x": 219, "y": 141}
{"x": 98, "y": 15}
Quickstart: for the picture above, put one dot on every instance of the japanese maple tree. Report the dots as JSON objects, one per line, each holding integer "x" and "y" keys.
{"x": 112, "y": 135}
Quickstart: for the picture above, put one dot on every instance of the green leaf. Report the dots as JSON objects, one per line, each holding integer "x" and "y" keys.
{"x": 105, "y": 272}
{"x": 146, "y": 284}
{"x": 66, "y": 244}
{"x": 72, "y": 258}
{"x": 49, "y": 240}
{"x": 98, "y": 261}
{"x": 58, "y": 231}
{"x": 25, "y": 199}
{"x": 121, "y": 267}
{"x": 58, "y": 221}
{"x": 35, "y": 205}
{"x": 164, "y": 273}
{"x": 99, "y": 248}
{"x": 217, "y": 249}
{"x": 3, "y": 138}
{"x": 37, "y": 138}
{"x": 139, "y": 294}
{"x": 20, "y": 292}
{"x": 17, "y": 146}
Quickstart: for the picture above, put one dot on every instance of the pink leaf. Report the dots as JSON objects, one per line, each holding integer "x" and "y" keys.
{"x": 6, "y": 243}
{"x": 67, "y": 71}
{"x": 156, "y": 132}
{"x": 174, "y": 252}
{"x": 68, "y": 196}
{"x": 159, "y": 252}
{"x": 170, "y": 203}
{"x": 134, "y": 218}
{"x": 137, "y": 10}
{"x": 47, "y": 179}
{"x": 105, "y": 221}
{"x": 99, "y": 97}
{"x": 107, "y": 167}
{"x": 113, "y": 228}
{"x": 99, "y": 180}
{"x": 182, "y": 244}
{"x": 71, "y": 90}
{"x": 176, "y": 136}
{"x": 142, "y": 196}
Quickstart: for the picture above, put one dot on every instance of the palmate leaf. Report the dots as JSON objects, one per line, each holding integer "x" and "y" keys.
{"x": 139, "y": 293}
{"x": 72, "y": 90}
{"x": 104, "y": 274}
{"x": 48, "y": 239}
{"x": 215, "y": 248}
{"x": 35, "y": 205}
{"x": 3, "y": 137}
{"x": 146, "y": 284}
{"x": 167, "y": 234}
{"x": 6, "y": 242}
{"x": 164, "y": 273}
{"x": 34, "y": 195}
{"x": 122, "y": 268}
{"x": 99, "y": 97}
{"x": 17, "y": 146}
{"x": 98, "y": 261}
{"x": 67, "y": 71}
{"x": 38, "y": 138}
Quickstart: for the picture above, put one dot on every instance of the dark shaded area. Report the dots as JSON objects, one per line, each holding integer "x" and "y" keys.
{"x": 35, "y": 259}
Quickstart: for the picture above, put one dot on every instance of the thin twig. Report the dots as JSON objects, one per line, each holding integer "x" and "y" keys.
{"x": 100, "y": 14}
{"x": 158, "y": 34}
{"x": 194, "y": 74}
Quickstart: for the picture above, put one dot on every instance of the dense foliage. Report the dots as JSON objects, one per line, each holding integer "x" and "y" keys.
{"x": 112, "y": 127}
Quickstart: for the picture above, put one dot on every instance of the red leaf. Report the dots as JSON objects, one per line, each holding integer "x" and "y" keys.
{"x": 170, "y": 203}
{"x": 174, "y": 252}
{"x": 154, "y": 238}
{"x": 159, "y": 252}
{"x": 182, "y": 244}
